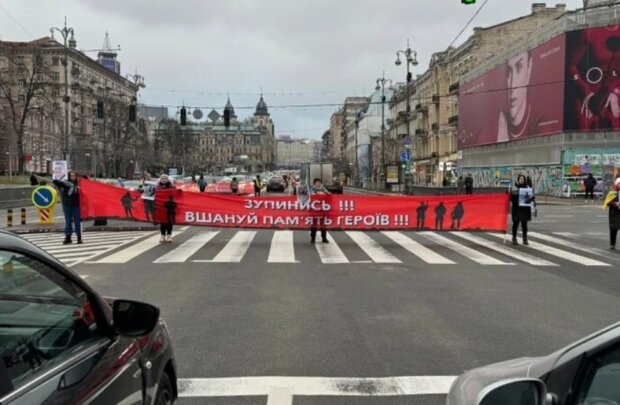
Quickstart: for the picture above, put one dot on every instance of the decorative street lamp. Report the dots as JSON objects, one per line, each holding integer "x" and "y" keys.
{"x": 381, "y": 82}
{"x": 68, "y": 40}
{"x": 411, "y": 59}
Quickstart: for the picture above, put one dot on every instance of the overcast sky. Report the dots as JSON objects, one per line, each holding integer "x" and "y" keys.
{"x": 298, "y": 51}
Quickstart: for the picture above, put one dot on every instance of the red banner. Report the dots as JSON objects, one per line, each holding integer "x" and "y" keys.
{"x": 337, "y": 211}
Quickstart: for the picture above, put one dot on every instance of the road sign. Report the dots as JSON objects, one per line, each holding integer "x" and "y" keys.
{"x": 404, "y": 156}
{"x": 44, "y": 197}
{"x": 173, "y": 171}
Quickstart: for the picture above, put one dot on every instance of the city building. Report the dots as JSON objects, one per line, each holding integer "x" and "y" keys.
{"x": 537, "y": 123}
{"x": 92, "y": 98}
{"x": 352, "y": 111}
{"x": 293, "y": 152}
{"x": 335, "y": 136}
{"x": 246, "y": 146}
{"x": 434, "y": 94}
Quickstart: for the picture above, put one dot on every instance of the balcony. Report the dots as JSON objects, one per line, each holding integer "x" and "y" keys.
{"x": 435, "y": 99}
{"x": 454, "y": 120}
{"x": 454, "y": 88}
{"x": 435, "y": 126}
{"x": 421, "y": 108}
{"x": 421, "y": 132}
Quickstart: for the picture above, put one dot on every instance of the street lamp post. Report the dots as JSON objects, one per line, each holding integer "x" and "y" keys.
{"x": 381, "y": 82}
{"x": 411, "y": 59}
{"x": 65, "y": 32}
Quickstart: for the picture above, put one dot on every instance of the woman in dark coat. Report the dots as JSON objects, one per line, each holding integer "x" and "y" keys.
{"x": 165, "y": 228}
{"x": 613, "y": 204}
{"x": 520, "y": 215}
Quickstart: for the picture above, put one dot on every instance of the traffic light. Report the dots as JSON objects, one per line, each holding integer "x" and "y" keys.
{"x": 100, "y": 111}
{"x": 183, "y": 116}
{"x": 468, "y": 1}
{"x": 403, "y": 166}
{"x": 132, "y": 113}
{"x": 226, "y": 118}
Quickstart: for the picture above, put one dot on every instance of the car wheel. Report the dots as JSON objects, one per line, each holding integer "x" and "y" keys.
{"x": 165, "y": 395}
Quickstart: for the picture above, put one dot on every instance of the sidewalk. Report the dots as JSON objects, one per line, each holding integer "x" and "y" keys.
{"x": 114, "y": 225}
{"x": 540, "y": 200}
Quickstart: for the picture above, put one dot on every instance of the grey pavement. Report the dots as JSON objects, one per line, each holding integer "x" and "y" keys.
{"x": 362, "y": 307}
{"x": 366, "y": 316}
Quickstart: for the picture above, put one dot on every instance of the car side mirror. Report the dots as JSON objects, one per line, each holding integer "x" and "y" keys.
{"x": 134, "y": 319}
{"x": 523, "y": 391}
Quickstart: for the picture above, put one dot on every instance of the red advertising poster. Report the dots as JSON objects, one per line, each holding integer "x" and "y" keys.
{"x": 592, "y": 99}
{"x": 520, "y": 99}
{"x": 472, "y": 212}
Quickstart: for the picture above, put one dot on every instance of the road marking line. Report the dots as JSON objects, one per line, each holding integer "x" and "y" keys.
{"x": 529, "y": 259}
{"x": 187, "y": 248}
{"x": 125, "y": 255}
{"x": 466, "y": 251}
{"x": 376, "y": 252}
{"x": 562, "y": 254}
{"x": 568, "y": 244}
{"x": 77, "y": 248}
{"x": 417, "y": 248}
{"x": 315, "y": 386}
{"x": 236, "y": 248}
{"x": 279, "y": 396}
{"x": 282, "y": 248}
{"x": 330, "y": 253}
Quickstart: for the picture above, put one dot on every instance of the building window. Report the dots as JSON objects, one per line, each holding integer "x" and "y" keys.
{"x": 21, "y": 83}
{"x": 22, "y": 98}
{"x": 55, "y": 77}
{"x": 55, "y": 61}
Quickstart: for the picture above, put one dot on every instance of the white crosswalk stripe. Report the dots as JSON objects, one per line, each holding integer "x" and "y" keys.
{"x": 282, "y": 248}
{"x": 505, "y": 250}
{"x": 95, "y": 244}
{"x": 349, "y": 247}
{"x": 563, "y": 254}
{"x": 470, "y": 253}
{"x": 424, "y": 253}
{"x": 377, "y": 253}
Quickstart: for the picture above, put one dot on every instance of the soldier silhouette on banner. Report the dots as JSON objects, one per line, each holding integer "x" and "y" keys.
{"x": 127, "y": 202}
{"x": 457, "y": 215}
{"x": 421, "y": 215}
{"x": 440, "y": 212}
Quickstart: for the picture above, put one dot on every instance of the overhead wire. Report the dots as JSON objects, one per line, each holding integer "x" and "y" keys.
{"x": 16, "y": 22}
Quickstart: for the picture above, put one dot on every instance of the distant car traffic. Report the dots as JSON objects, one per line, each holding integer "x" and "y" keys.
{"x": 584, "y": 373}
{"x": 63, "y": 343}
{"x": 275, "y": 183}
{"x": 223, "y": 186}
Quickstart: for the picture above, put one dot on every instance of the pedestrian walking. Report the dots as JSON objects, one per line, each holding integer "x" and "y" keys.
{"x": 234, "y": 185}
{"x": 521, "y": 199}
{"x": 165, "y": 228}
{"x": 460, "y": 185}
{"x": 70, "y": 196}
{"x": 257, "y": 186}
{"x": 202, "y": 183}
{"x": 469, "y": 184}
{"x": 612, "y": 202}
{"x": 318, "y": 189}
{"x": 444, "y": 182}
{"x": 589, "y": 183}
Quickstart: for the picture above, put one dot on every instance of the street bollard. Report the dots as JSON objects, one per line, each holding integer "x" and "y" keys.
{"x": 23, "y": 222}
{"x": 9, "y": 217}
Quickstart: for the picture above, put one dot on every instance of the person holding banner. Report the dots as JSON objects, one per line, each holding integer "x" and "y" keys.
{"x": 70, "y": 195}
{"x": 165, "y": 228}
{"x": 613, "y": 203}
{"x": 522, "y": 199}
{"x": 318, "y": 189}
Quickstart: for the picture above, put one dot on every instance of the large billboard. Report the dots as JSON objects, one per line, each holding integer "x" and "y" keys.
{"x": 592, "y": 97}
{"x": 519, "y": 99}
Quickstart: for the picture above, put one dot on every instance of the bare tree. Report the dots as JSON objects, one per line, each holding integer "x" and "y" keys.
{"x": 27, "y": 84}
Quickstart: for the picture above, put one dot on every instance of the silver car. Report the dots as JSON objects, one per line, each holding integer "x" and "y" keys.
{"x": 584, "y": 373}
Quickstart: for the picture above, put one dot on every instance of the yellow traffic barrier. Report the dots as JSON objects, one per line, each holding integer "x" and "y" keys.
{"x": 23, "y": 219}
{"x": 9, "y": 217}
{"x": 45, "y": 198}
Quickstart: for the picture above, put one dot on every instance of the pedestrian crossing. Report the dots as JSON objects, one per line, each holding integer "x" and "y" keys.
{"x": 398, "y": 248}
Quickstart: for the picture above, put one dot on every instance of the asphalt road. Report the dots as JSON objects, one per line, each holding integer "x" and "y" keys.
{"x": 375, "y": 313}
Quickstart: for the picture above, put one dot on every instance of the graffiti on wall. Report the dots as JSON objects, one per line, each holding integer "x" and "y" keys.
{"x": 545, "y": 179}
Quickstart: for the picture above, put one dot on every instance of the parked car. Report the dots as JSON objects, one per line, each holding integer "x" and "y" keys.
{"x": 63, "y": 343}
{"x": 584, "y": 373}
{"x": 275, "y": 183}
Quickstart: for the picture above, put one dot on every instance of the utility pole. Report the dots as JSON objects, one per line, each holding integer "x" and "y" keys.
{"x": 381, "y": 82}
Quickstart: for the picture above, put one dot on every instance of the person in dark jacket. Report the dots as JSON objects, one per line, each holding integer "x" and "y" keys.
{"x": 202, "y": 183}
{"x": 33, "y": 180}
{"x": 70, "y": 196}
{"x": 613, "y": 204}
{"x": 165, "y": 228}
{"x": 469, "y": 184}
{"x": 257, "y": 186}
{"x": 318, "y": 189}
{"x": 520, "y": 214}
{"x": 589, "y": 183}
